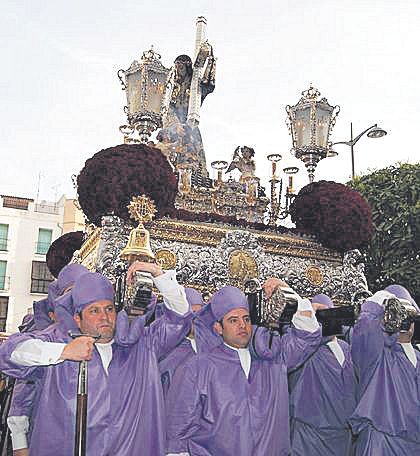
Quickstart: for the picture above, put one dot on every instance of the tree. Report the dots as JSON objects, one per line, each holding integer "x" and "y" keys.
{"x": 394, "y": 252}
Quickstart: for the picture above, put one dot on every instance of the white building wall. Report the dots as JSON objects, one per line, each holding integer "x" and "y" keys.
{"x": 24, "y": 226}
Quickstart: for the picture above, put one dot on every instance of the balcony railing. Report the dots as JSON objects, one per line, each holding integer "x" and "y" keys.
{"x": 4, "y": 283}
{"x": 41, "y": 248}
{"x": 47, "y": 208}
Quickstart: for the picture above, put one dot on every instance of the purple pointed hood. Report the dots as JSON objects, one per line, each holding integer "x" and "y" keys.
{"x": 68, "y": 276}
{"x": 89, "y": 288}
{"x": 194, "y": 297}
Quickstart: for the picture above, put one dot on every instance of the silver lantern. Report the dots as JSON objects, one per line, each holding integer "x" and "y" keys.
{"x": 310, "y": 122}
{"x": 144, "y": 83}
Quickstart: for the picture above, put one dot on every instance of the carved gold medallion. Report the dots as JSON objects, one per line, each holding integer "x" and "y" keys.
{"x": 165, "y": 259}
{"x": 314, "y": 275}
{"x": 242, "y": 266}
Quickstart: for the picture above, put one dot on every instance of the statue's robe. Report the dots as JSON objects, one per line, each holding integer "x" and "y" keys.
{"x": 387, "y": 418}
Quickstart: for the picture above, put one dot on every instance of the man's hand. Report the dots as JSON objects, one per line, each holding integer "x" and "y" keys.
{"x": 79, "y": 349}
{"x": 270, "y": 285}
{"x": 153, "y": 268}
{"x": 21, "y": 452}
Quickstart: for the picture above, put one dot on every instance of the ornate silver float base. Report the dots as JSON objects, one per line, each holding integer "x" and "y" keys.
{"x": 209, "y": 256}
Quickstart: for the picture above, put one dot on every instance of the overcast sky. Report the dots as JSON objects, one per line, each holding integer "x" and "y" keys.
{"x": 62, "y": 102}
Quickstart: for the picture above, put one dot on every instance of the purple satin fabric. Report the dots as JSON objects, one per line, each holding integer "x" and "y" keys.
{"x": 41, "y": 318}
{"x": 24, "y": 393}
{"x": 322, "y": 399}
{"x": 68, "y": 276}
{"x": 174, "y": 360}
{"x": 89, "y": 288}
{"x": 125, "y": 408}
{"x": 213, "y": 409}
{"x": 372, "y": 442}
{"x": 389, "y": 388}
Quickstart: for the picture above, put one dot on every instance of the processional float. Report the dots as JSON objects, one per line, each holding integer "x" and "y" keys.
{"x": 221, "y": 230}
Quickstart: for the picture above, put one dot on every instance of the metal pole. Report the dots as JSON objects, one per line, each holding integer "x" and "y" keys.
{"x": 81, "y": 411}
{"x": 352, "y": 150}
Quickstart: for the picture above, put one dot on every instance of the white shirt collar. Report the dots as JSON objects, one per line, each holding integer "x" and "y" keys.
{"x": 193, "y": 344}
{"x": 105, "y": 352}
{"x": 334, "y": 346}
{"x": 244, "y": 358}
{"x": 410, "y": 353}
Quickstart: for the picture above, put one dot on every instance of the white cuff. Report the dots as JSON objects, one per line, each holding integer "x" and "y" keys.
{"x": 304, "y": 304}
{"x": 35, "y": 352}
{"x": 302, "y": 322}
{"x": 19, "y": 427}
{"x": 177, "y": 454}
{"x": 173, "y": 293}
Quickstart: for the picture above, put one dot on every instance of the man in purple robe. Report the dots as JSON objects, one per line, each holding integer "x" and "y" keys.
{"x": 323, "y": 397}
{"x": 387, "y": 417}
{"x": 225, "y": 401}
{"x": 26, "y": 392}
{"x": 125, "y": 404}
{"x": 186, "y": 349}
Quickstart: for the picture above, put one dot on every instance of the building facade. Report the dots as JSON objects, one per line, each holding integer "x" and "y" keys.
{"x": 27, "y": 229}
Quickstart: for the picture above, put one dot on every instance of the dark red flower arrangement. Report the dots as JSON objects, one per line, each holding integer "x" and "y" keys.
{"x": 61, "y": 250}
{"x": 339, "y": 216}
{"x": 113, "y": 176}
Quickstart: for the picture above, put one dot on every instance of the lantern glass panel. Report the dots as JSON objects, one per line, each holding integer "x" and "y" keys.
{"x": 322, "y": 122}
{"x": 134, "y": 100}
{"x": 155, "y": 90}
{"x": 302, "y": 124}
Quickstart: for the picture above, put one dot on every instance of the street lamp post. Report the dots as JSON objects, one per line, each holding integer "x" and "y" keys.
{"x": 372, "y": 132}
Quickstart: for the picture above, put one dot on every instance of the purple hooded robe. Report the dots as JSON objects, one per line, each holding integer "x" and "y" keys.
{"x": 125, "y": 406}
{"x": 387, "y": 417}
{"x": 214, "y": 409}
{"x": 322, "y": 399}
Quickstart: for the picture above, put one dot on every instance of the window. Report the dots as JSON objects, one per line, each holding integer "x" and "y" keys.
{"x": 3, "y": 267}
{"x": 40, "y": 277}
{"x": 4, "y": 232}
{"x": 44, "y": 241}
{"x": 4, "y": 302}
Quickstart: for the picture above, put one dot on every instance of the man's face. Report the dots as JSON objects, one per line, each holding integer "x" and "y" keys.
{"x": 236, "y": 328}
{"x": 98, "y": 319}
{"x": 181, "y": 69}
